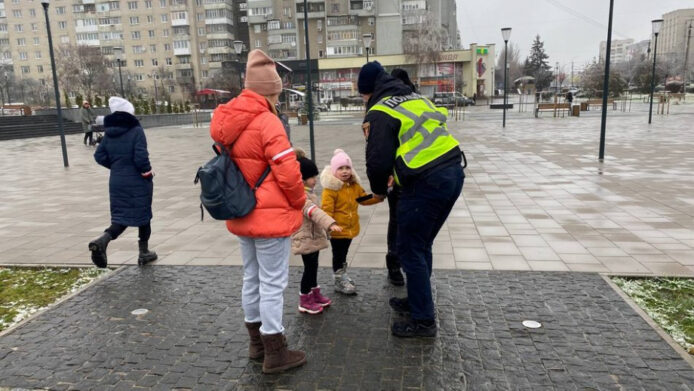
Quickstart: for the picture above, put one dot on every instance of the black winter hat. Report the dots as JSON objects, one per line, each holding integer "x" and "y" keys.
{"x": 368, "y": 75}
{"x": 308, "y": 168}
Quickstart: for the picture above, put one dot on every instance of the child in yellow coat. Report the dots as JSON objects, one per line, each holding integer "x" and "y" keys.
{"x": 342, "y": 194}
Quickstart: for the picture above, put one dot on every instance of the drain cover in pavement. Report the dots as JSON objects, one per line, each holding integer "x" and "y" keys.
{"x": 140, "y": 311}
{"x": 531, "y": 324}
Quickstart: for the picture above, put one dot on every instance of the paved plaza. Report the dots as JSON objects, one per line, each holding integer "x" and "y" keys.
{"x": 535, "y": 197}
{"x": 539, "y": 221}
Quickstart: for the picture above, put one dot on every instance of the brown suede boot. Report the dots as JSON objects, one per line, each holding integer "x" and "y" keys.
{"x": 256, "y": 349}
{"x": 277, "y": 357}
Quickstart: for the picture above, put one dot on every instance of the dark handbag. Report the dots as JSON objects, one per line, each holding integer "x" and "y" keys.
{"x": 224, "y": 192}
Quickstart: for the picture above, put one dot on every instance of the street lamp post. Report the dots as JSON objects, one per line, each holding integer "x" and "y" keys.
{"x": 7, "y": 86}
{"x": 606, "y": 84}
{"x": 367, "y": 38}
{"x": 119, "y": 55}
{"x": 556, "y": 66}
{"x": 657, "y": 24}
{"x": 45, "y": 4}
{"x": 238, "y": 48}
{"x": 309, "y": 95}
{"x": 506, "y": 34}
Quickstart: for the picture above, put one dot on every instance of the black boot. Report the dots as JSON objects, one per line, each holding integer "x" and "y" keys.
{"x": 395, "y": 276}
{"x": 98, "y": 249}
{"x": 145, "y": 256}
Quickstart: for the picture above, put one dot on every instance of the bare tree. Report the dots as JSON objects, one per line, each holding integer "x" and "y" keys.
{"x": 424, "y": 44}
{"x": 515, "y": 67}
{"x": 84, "y": 68}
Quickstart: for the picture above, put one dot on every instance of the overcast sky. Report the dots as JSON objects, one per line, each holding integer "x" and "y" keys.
{"x": 571, "y": 29}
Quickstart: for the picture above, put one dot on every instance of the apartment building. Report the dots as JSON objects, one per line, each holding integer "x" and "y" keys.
{"x": 674, "y": 35}
{"x": 337, "y": 27}
{"x": 619, "y": 50}
{"x": 174, "y": 43}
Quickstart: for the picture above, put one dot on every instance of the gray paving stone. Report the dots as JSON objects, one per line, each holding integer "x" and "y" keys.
{"x": 193, "y": 337}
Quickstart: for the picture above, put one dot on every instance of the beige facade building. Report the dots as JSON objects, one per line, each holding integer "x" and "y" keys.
{"x": 619, "y": 50}
{"x": 174, "y": 43}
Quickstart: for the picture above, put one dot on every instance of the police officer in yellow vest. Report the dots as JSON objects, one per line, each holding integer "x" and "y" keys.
{"x": 408, "y": 141}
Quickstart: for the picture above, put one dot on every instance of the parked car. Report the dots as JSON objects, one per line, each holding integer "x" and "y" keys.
{"x": 450, "y": 99}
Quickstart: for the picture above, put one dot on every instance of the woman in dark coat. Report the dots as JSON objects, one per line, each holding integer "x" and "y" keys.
{"x": 124, "y": 151}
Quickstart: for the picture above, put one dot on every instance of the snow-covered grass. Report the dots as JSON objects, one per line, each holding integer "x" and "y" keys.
{"x": 24, "y": 291}
{"x": 668, "y": 301}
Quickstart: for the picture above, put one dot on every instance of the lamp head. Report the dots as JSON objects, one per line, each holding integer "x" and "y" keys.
{"x": 45, "y": 3}
{"x": 657, "y": 24}
{"x": 238, "y": 47}
{"x": 367, "y": 38}
{"x": 506, "y": 33}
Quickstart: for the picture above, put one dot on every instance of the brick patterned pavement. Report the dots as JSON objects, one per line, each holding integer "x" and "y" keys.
{"x": 193, "y": 337}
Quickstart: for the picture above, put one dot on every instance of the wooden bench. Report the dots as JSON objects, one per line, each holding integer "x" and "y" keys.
{"x": 551, "y": 107}
{"x": 598, "y": 102}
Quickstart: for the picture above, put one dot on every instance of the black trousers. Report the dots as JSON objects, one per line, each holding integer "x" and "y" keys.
{"x": 88, "y": 136}
{"x": 340, "y": 248}
{"x": 392, "y": 259}
{"x": 145, "y": 231}
{"x": 310, "y": 276}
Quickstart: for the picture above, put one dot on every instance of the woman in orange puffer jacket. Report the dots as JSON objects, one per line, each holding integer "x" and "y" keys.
{"x": 248, "y": 125}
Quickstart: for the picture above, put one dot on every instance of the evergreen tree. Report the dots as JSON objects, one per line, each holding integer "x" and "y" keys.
{"x": 169, "y": 109}
{"x": 106, "y": 100}
{"x": 536, "y": 65}
{"x": 186, "y": 108}
{"x": 153, "y": 106}
{"x": 79, "y": 100}
{"x": 97, "y": 101}
{"x": 67, "y": 100}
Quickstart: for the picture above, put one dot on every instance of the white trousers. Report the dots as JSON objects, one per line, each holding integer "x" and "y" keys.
{"x": 265, "y": 276}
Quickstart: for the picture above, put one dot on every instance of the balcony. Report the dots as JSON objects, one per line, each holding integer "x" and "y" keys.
{"x": 282, "y": 46}
{"x": 180, "y": 22}
{"x": 220, "y": 35}
{"x": 181, "y": 67}
{"x": 255, "y": 19}
{"x": 215, "y": 65}
{"x": 311, "y": 15}
{"x": 89, "y": 42}
{"x": 220, "y": 50}
{"x": 182, "y": 51}
{"x": 88, "y": 1}
{"x": 216, "y": 6}
{"x": 87, "y": 29}
{"x": 219, "y": 21}
{"x": 362, "y": 8}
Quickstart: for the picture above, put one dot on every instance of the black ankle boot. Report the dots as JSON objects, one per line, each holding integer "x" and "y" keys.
{"x": 145, "y": 256}
{"x": 98, "y": 249}
{"x": 395, "y": 277}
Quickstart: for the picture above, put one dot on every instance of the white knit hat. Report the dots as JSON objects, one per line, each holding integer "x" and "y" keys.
{"x": 119, "y": 104}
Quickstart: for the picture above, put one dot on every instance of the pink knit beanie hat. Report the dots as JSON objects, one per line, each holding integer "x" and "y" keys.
{"x": 340, "y": 158}
{"x": 261, "y": 74}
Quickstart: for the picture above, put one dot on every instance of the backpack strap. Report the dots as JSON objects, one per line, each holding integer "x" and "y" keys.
{"x": 262, "y": 178}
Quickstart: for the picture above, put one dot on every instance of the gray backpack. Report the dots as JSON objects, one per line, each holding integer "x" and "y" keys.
{"x": 224, "y": 192}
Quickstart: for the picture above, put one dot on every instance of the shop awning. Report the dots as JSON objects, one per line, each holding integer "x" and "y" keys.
{"x": 210, "y": 91}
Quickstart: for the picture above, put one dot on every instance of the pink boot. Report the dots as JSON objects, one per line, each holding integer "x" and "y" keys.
{"x": 306, "y": 304}
{"x": 320, "y": 299}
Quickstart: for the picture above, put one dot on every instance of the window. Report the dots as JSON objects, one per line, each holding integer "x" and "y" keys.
{"x": 372, "y": 21}
{"x": 134, "y": 20}
{"x": 139, "y": 63}
{"x": 202, "y": 46}
{"x": 17, "y": 13}
{"x": 336, "y": 7}
{"x": 155, "y": 62}
{"x": 32, "y": 13}
{"x": 18, "y": 28}
{"x": 153, "y": 48}
{"x": 139, "y": 77}
{"x": 172, "y": 89}
{"x": 148, "y": 4}
{"x": 180, "y": 44}
{"x": 37, "y": 54}
{"x": 319, "y": 24}
{"x": 62, "y": 25}
{"x": 200, "y": 16}
{"x": 34, "y": 27}
{"x": 256, "y": 28}
{"x": 167, "y": 47}
{"x": 36, "y": 40}
{"x": 165, "y": 32}
{"x": 205, "y": 73}
{"x": 3, "y": 27}
{"x": 163, "y": 3}
{"x": 60, "y": 10}
{"x": 138, "y": 49}
{"x": 287, "y": 12}
{"x": 201, "y": 31}
{"x": 320, "y": 38}
{"x": 64, "y": 39}
{"x": 132, "y": 5}
{"x": 273, "y": 25}
{"x": 77, "y": 8}
{"x": 168, "y": 61}
{"x": 164, "y": 18}
{"x": 179, "y": 16}
{"x": 258, "y": 44}
{"x": 203, "y": 60}
{"x": 23, "y": 55}
{"x": 135, "y": 34}
{"x": 150, "y": 19}
{"x": 151, "y": 33}
{"x": 21, "y": 42}
{"x": 39, "y": 68}
{"x": 25, "y": 69}
{"x": 114, "y": 5}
